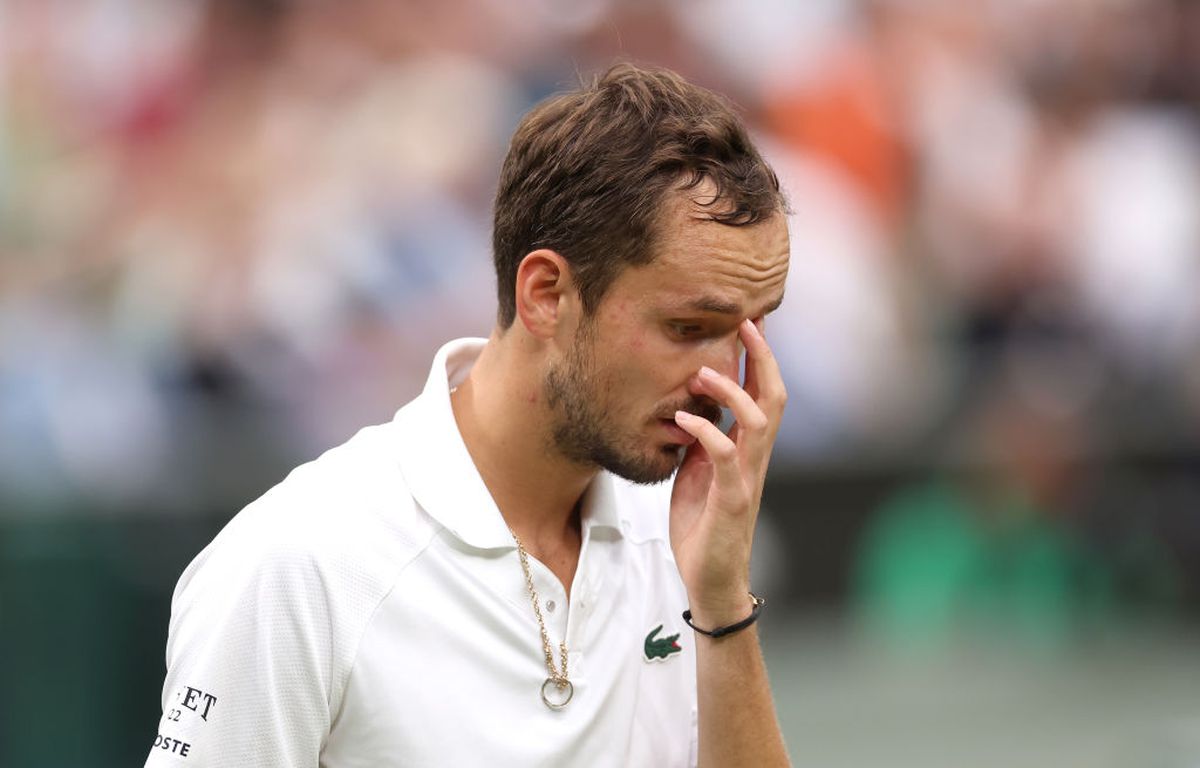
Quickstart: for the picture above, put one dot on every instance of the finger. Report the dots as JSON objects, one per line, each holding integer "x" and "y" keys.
{"x": 764, "y": 382}
{"x": 752, "y": 424}
{"x": 730, "y": 395}
{"x": 694, "y": 477}
{"x": 720, "y": 449}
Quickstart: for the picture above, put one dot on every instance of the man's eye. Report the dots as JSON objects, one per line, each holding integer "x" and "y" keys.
{"x": 687, "y": 329}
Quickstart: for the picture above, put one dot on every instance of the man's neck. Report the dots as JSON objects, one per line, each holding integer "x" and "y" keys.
{"x": 504, "y": 423}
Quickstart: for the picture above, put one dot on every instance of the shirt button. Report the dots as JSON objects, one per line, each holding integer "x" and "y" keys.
{"x": 550, "y": 606}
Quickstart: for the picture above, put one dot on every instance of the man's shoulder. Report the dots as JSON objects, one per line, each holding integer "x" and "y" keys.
{"x": 345, "y": 516}
{"x": 348, "y": 490}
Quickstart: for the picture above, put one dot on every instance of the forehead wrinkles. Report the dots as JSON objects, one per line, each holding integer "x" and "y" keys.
{"x": 761, "y": 272}
{"x": 734, "y": 282}
{"x": 758, "y": 253}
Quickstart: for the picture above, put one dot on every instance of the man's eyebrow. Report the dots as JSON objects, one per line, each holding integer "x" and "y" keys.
{"x": 717, "y": 306}
{"x": 713, "y": 304}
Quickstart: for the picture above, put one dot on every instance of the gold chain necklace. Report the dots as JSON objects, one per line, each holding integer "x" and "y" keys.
{"x": 561, "y": 689}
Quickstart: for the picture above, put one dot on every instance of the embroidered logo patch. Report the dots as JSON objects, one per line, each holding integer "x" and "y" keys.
{"x": 659, "y": 648}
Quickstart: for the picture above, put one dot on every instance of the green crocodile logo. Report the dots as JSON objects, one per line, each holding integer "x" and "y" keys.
{"x": 660, "y": 647}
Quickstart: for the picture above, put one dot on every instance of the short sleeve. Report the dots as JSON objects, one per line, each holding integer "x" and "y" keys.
{"x": 249, "y": 662}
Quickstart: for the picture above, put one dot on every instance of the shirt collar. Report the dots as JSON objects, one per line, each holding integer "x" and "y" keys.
{"x": 439, "y": 470}
{"x": 600, "y": 504}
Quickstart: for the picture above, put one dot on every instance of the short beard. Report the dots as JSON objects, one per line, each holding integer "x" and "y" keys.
{"x": 583, "y": 431}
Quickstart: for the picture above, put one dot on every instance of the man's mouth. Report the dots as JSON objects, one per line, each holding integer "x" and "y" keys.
{"x": 709, "y": 411}
{"x": 705, "y": 410}
{"x": 677, "y": 434}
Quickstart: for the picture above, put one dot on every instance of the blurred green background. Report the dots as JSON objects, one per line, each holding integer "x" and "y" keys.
{"x": 232, "y": 232}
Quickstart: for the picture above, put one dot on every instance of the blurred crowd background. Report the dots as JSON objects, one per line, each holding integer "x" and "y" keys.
{"x": 232, "y": 232}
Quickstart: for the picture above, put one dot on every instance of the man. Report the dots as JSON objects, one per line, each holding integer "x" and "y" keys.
{"x": 499, "y": 576}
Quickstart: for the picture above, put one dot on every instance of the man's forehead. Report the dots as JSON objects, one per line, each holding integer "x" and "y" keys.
{"x": 695, "y": 244}
{"x": 744, "y": 275}
{"x": 701, "y": 265}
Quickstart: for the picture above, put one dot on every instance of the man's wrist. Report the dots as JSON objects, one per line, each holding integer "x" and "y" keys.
{"x": 723, "y": 610}
{"x": 728, "y": 629}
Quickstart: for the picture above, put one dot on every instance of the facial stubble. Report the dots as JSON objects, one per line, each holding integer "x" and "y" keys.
{"x": 586, "y": 429}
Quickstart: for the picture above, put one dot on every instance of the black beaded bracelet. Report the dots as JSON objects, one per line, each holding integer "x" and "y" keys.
{"x": 729, "y": 630}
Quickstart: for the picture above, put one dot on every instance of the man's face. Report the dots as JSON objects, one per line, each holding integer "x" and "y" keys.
{"x": 614, "y": 395}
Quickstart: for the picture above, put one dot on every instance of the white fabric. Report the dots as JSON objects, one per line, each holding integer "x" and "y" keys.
{"x": 370, "y": 610}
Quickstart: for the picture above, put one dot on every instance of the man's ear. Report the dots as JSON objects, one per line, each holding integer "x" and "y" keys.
{"x": 545, "y": 292}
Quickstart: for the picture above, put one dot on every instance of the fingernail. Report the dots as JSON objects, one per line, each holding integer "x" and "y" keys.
{"x": 707, "y": 372}
{"x": 683, "y": 416}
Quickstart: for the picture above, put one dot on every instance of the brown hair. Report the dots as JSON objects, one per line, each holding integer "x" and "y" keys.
{"x": 587, "y": 172}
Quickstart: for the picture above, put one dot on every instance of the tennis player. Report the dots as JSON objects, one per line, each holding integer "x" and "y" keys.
{"x": 543, "y": 559}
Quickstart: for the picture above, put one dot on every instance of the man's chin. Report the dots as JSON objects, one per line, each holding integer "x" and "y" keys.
{"x": 650, "y": 470}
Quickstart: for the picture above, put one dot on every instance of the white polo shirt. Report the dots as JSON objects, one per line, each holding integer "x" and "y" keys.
{"x": 371, "y": 610}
